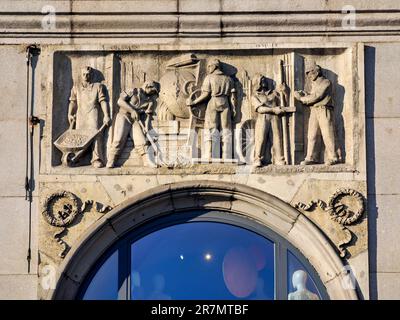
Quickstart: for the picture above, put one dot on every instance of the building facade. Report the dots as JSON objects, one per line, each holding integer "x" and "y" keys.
{"x": 258, "y": 137}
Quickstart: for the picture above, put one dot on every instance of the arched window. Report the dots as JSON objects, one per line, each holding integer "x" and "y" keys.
{"x": 202, "y": 255}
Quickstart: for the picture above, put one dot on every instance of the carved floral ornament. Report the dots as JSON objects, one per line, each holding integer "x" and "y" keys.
{"x": 61, "y": 209}
{"x": 345, "y": 207}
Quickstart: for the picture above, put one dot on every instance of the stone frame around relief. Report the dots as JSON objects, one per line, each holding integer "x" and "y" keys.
{"x": 349, "y": 60}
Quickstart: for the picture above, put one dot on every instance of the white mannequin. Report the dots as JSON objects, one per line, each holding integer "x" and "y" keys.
{"x": 299, "y": 280}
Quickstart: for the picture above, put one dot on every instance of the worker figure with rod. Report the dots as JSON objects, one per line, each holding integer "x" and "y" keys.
{"x": 266, "y": 103}
{"x": 134, "y": 107}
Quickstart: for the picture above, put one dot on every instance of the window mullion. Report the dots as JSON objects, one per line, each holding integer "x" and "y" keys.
{"x": 280, "y": 272}
{"x": 123, "y": 271}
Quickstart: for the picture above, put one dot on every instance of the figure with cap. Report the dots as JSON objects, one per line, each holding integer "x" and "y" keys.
{"x": 87, "y": 100}
{"x": 268, "y": 126}
{"x": 219, "y": 90}
{"x": 137, "y": 105}
{"x": 319, "y": 99}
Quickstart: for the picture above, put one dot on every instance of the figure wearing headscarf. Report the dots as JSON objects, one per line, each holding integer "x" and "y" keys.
{"x": 135, "y": 106}
{"x": 265, "y": 102}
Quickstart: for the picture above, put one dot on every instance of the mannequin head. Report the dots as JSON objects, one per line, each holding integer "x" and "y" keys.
{"x": 299, "y": 279}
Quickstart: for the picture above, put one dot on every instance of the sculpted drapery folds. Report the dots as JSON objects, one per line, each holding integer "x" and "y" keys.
{"x": 135, "y": 108}
{"x": 268, "y": 127}
{"x": 319, "y": 99}
{"x": 86, "y": 99}
{"x": 219, "y": 90}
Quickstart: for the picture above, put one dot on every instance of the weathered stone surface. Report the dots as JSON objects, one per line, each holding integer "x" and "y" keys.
{"x": 388, "y": 285}
{"x": 384, "y": 220}
{"x": 283, "y": 187}
{"x": 382, "y": 100}
{"x": 12, "y": 140}
{"x": 359, "y": 266}
{"x": 13, "y": 63}
{"x": 18, "y": 287}
{"x": 383, "y": 155}
{"x": 14, "y": 231}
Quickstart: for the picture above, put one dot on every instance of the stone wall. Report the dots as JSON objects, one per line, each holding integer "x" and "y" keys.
{"x": 181, "y": 25}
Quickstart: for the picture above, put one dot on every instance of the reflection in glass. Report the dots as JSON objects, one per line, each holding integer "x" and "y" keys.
{"x": 104, "y": 285}
{"x": 300, "y": 284}
{"x": 202, "y": 260}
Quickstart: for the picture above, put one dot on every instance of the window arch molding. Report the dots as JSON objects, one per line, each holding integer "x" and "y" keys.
{"x": 265, "y": 209}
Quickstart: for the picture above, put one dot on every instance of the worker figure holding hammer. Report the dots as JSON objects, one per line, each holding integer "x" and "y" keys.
{"x": 134, "y": 107}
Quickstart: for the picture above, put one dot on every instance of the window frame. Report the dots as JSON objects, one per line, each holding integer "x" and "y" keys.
{"x": 281, "y": 248}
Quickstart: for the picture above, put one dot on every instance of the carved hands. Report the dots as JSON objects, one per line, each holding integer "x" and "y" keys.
{"x": 278, "y": 111}
{"x": 190, "y": 102}
{"x": 71, "y": 120}
{"x": 107, "y": 120}
{"x": 134, "y": 115}
{"x": 299, "y": 95}
{"x": 233, "y": 113}
{"x": 274, "y": 110}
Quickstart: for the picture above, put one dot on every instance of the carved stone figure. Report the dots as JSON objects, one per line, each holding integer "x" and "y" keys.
{"x": 268, "y": 126}
{"x": 219, "y": 90}
{"x": 83, "y": 113}
{"x": 135, "y": 108}
{"x": 321, "y": 115}
{"x": 299, "y": 280}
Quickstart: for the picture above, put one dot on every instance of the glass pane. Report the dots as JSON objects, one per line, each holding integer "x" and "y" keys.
{"x": 301, "y": 286}
{"x": 104, "y": 285}
{"x": 202, "y": 260}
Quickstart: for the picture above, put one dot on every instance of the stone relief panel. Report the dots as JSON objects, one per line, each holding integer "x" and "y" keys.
{"x": 280, "y": 108}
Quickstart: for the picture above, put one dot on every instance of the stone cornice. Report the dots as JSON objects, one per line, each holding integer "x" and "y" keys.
{"x": 195, "y": 6}
{"x": 179, "y": 19}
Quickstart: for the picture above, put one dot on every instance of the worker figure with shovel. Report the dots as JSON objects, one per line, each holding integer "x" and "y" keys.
{"x": 86, "y": 99}
{"x": 134, "y": 107}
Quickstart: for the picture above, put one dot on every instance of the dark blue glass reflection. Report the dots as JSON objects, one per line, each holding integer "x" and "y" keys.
{"x": 104, "y": 285}
{"x": 296, "y": 289}
{"x": 202, "y": 260}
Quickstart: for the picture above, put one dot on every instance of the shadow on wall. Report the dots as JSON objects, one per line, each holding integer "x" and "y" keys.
{"x": 370, "y": 60}
{"x": 338, "y": 92}
{"x": 62, "y": 82}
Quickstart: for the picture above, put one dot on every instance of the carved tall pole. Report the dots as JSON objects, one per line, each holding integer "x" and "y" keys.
{"x": 283, "y": 104}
